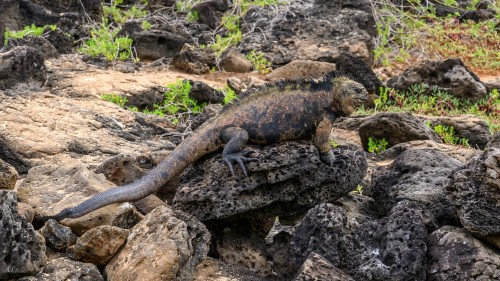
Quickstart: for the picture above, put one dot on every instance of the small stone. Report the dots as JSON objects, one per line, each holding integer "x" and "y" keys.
{"x": 8, "y": 175}
{"x": 57, "y": 236}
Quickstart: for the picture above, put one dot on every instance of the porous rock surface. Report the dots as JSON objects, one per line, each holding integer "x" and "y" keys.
{"x": 310, "y": 30}
{"x": 22, "y": 249}
{"x": 98, "y": 245}
{"x": 67, "y": 269}
{"x": 391, "y": 248}
{"x": 165, "y": 245}
{"x": 454, "y": 254}
{"x": 470, "y": 127}
{"x": 418, "y": 175}
{"x": 322, "y": 231}
{"x": 288, "y": 177}
{"x": 395, "y": 128}
{"x": 475, "y": 190}
{"x": 317, "y": 268}
{"x": 449, "y": 75}
{"x": 57, "y": 236}
{"x": 21, "y": 64}
{"x": 8, "y": 175}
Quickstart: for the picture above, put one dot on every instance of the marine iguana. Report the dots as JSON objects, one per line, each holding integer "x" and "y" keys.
{"x": 279, "y": 111}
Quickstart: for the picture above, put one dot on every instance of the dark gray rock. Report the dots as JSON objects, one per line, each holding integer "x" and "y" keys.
{"x": 322, "y": 231}
{"x": 418, "y": 175}
{"x": 317, "y": 268}
{"x": 60, "y": 40}
{"x": 8, "y": 175}
{"x": 358, "y": 70}
{"x": 454, "y": 254}
{"x": 494, "y": 142}
{"x": 66, "y": 269}
{"x": 475, "y": 190}
{"x": 359, "y": 209}
{"x": 211, "y": 12}
{"x": 57, "y": 236}
{"x": 203, "y": 93}
{"x": 450, "y": 75}
{"x": 288, "y": 178}
{"x": 157, "y": 44}
{"x": 392, "y": 248}
{"x": 40, "y": 43}
{"x": 234, "y": 61}
{"x": 396, "y": 128}
{"x": 472, "y": 128}
{"x": 9, "y": 17}
{"x": 195, "y": 61}
{"x": 22, "y": 248}
{"x": 21, "y": 64}
{"x": 310, "y": 30}
{"x": 277, "y": 241}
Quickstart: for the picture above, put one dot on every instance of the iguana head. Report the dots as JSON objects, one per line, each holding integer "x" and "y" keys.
{"x": 348, "y": 95}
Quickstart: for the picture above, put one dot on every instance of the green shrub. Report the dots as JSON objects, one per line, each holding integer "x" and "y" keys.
{"x": 30, "y": 30}
{"x": 260, "y": 63}
{"x": 377, "y": 146}
{"x": 447, "y": 134}
{"x": 229, "y": 94}
{"x": 114, "y": 98}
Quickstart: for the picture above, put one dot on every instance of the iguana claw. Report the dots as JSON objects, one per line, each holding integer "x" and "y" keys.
{"x": 330, "y": 159}
{"x": 240, "y": 158}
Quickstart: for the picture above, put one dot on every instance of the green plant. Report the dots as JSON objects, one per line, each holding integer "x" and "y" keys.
{"x": 358, "y": 190}
{"x": 30, "y": 30}
{"x": 146, "y": 25}
{"x": 120, "y": 16}
{"x": 377, "y": 146}
{"x": 229, "y": 94}
{"x": 105, "y": 42}
{"x": 447, "y": 134}
{"x": 260, "y": 63}
{"x": 114, "y": 98}
{"x": 333, "y": 143}
{"x": 192, "y": 16}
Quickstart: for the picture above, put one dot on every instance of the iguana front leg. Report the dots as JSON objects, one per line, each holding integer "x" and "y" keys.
{"x": 235, "y": 139}
{"x": 322, "y": 141}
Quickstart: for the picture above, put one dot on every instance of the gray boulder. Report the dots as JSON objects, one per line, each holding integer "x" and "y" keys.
{"x": 22, "y": 249}
{"x": 57, "y": 236}
{"x": 317, "y": 268}
{"x": 66, "y": 269}
{"x": 392, "y": 248}
{"x": 469, "y": 127}
{"x": 21, "y": 64}
{"x": 289, "y": 177}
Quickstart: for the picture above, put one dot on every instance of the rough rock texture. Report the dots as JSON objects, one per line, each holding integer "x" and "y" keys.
{"x": 22, "y": 249}
{"x": 196, "y": 61}
{"x": 234, "y": 61}
{"x": 454, "y": 254}
{"x": 310, "y": 30}
{"x": 317, "y": 268}
{"x": 470, "y": 127}
{"x": 322, "y": 231}
{"x": 475, "y": 190}
{"x": 41, "y": 44}
{"x": 277, "y": 241}
{"x": 8, "y": 175}
{"x": 450, "y": 75}
{"x": 359, "y": 209}
{"x": 301, "y": 69}
{"x": 57, "y": 236}
{"x": 420, "y": 176}
{"x": 395, "y": 128}
{"x": 165, "y": 245}
{"x": 125, "y": 168}
{"x": 21, "y": 64}
{"x": 494, "y": 142}
{"x": 242, "y": 84}
{"x": 210, "y": 12}
{"x": 203, "y": 93}
{"x": 98, "y": 245}
{"x": 66, "y": 269}
{"x": 156, "y": 44}
{"x": 50, "y": 189}
{"x": 392, "y": 248}
{"x": 211, "y": 269}
{"x": 288, "y": 177}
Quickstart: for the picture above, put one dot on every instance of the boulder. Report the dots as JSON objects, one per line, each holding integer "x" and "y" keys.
{"x": 165, "y": 245}
{"x": 234, "y": 61}
{"x": 475, "y": 191}
{"x": 193, "y": 60}
{"x": 392, "y": 248}
{"x": 449, "y": 75}
{"x": 211, "y": 269}
{"x": 310, "y": 30}
{"x": 40, "y": 43}
{"x": 203, "y": 93}
{"x": 8, "y": 175}
{"x": 21, "y": 64}
{"x": 420, "y": 176}
{"x": 317, "y": 268}
{"x": 210, "y": 12}
{"x": 57, "y": 236}
{"x": 454, "y": 254}
{"x": 22, "y": 248}
{"x": 157, "y": 44}
{"x": 395, "y": 127}
{"x": 98, "y": 245}
{"x": 66, "y": 269}
{"x": 288, "y": 177}
{"x": 301, "y": 69}
{"x": 474, "y": 129}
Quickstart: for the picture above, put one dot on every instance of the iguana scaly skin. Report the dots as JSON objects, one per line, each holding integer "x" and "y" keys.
{"x": 280, "y": 111}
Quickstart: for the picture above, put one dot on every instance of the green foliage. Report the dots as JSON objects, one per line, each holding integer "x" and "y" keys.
{"x": 114, "y": 98}
{"x": 260, "y": 63}
{"x": 192, "y": 16}
{"x": 358, "y": 190}
{"x": 447, "y": 134}
{"x": 105, "y": 42}
{"x": 420, "y": 99}
{"x": 30, "y": 30}
{"x": 120, "y": 16}
{"x": 229, "y": 94}
{"x": 177, "y": 105}
{"x": 146, "y": 25}
{"x": 377, "y": 146}
{"x": 333, "y": 143}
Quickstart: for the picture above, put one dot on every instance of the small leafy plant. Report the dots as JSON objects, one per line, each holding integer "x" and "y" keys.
{"x": 447, "y": 134}
{"x": 30, "y": 30}
{"x": 358, "y": 190}
{"x": 260, "y": 63}
{"x": 229, "y": 94}
{"x": 377, "y": 146}
{"x": 114, "y": 98}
